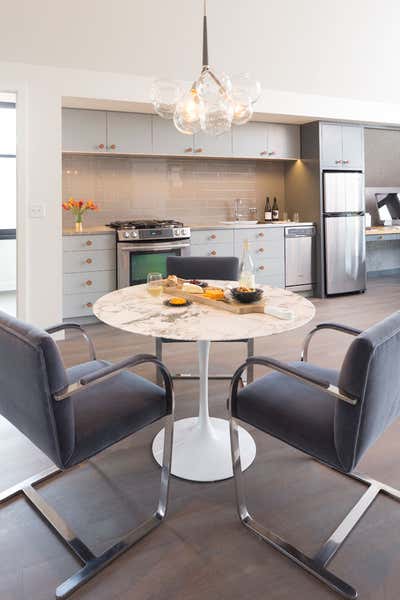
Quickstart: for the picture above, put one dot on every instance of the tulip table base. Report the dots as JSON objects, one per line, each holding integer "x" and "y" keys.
{"x": 201, "y": 449}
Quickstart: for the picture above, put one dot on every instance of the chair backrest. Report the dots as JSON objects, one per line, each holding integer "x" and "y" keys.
{"x": 31, "y": 371}
{"x": 225, "y": 268}
{"x": 370, "y": 373}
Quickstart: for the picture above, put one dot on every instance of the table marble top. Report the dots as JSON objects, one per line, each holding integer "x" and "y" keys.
{"x": 133, "y": 309}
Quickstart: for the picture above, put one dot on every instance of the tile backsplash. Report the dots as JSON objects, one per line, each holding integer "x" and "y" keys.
{"x": 195, "y": 191}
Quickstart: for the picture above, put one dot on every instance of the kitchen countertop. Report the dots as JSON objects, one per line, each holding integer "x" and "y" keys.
{"x": 244, "y": 226}
{"x": 99, "y": 230}
{"x": 383, "y": 230}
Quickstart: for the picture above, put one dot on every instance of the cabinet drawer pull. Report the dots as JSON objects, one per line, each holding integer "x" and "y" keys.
{"x": 89, "y": 282}
{"x": 89, "y": 243}
{"x": 213, "y": 253}
{"x": 260, "y": 250}
{"x": 89, "y": 304}
{"x": 338, "y": 162}
{"x": 113, "y": 147}
{"x": 260, "y": 268}
{"x": 89, "y": 261}
{"x": 212, "y": 236}
{"x": 271, "y": 153}
{"x": 346, "y": 162}
{"x": 260, "y": 234}
{"x": 189, "y": 149}
{"x": 100, "y": 147}
{"x": 198, "y": 150}
{"x": 263, "y": 153}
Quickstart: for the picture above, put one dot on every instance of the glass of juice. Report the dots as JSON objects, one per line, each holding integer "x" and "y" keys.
{"x": 154, "y": 284}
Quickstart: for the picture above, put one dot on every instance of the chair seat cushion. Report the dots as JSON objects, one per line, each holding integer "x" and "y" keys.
{"x": 294, "y": 412}
{"x": 111, "y": 410}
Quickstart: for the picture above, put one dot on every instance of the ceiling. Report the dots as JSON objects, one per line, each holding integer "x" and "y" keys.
{"x": 346, "y": 48}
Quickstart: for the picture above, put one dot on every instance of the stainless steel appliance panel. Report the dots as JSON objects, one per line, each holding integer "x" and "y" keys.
{"x": 343, "y": 192}
{"x": 345, "y": 254}
{"x": 299, "y": 257}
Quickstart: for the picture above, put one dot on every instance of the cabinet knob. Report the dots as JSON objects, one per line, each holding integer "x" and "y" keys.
{"x": 198, "y": 150}
{"x": 263, "y": 153}
{"x": 188, "y": 149}
{"x": 89, "y": 261}
{"x": 346, "y": 162}
{"x": 260, "y": 268}
{"x": 212, "y": 237}
{"x": 260, "y": 234}
{"x": 113, "y": 147}
{"x": 338, "y": 162}
{"x": 271, "y": 153}
{"x": 260, "y": 250}
{"x": 100, "y": 146}
{"x": 89, "y": 282}
{"x": 89, "y": 243}
{"x": 213, "y": 253}
{"x": 89, "y": 304}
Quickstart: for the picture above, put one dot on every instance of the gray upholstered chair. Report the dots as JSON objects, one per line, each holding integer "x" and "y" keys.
{"x": 224, "y": 268}
{"x": 333, "y": 416}
{"x": 72, "y": 415}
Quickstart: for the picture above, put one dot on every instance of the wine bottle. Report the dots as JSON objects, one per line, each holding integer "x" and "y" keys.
{"x": 268, "y": 211}
{"x": 275, "y": 211}
{"x": 247, "y": 272}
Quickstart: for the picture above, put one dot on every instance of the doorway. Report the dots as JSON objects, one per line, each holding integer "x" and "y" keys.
{"x": 8, "y": 204}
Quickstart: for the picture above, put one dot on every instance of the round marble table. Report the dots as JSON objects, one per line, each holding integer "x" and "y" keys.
{"x": 201, "y": 450}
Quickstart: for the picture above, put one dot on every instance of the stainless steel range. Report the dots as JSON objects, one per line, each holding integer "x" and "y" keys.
{"x": 143, "y": 247}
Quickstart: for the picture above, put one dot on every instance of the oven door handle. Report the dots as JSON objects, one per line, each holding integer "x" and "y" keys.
{"x": 133, "y": 247}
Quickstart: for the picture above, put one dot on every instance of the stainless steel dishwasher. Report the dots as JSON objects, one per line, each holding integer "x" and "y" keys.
{"x": 299, "y": 258}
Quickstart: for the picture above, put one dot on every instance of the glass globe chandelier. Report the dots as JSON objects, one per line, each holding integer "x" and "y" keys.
{"x": 212, "y": 104}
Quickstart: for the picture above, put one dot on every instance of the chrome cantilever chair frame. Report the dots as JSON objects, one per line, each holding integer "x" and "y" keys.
{"x": 92, "y": 563}
{"x": 317, "y": 564}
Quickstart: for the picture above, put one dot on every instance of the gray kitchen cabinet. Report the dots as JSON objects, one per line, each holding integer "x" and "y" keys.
{"x": 250, "y": 140}
{"x": 168, "y": 140}
{"x": 207, "y": 145}
{"x": 84, "y": 130}
{"x": 283, "y": 141}
{"x": 129, "y": 133}
{"x": 342, "y": 146}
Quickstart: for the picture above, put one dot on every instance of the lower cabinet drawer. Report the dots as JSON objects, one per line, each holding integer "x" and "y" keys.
{"x": 273, "y": 279}
{"x": 80, "y": 305}
{"x": 212, "y": 250}
{"x": 95, "y": 281}
{"x": 211, "y": 236}
{"x": 98, "y": 260}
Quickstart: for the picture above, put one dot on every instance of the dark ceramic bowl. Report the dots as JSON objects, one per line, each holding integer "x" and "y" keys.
{"x": 247, "y": 297}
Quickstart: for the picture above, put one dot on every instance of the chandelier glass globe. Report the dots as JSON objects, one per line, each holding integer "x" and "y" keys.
{"x": 188, "y": 111}
{"x": 164, "y": 95}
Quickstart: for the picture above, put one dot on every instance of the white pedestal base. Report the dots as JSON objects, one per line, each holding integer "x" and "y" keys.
{"x": 202, "y": 452}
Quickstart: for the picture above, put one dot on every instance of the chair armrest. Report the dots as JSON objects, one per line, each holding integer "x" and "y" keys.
{"x": 77, "y": 327}
{"x": 291, "y": 371}
{"x": 333, "y": 326}
{"x": 113, "y": 370}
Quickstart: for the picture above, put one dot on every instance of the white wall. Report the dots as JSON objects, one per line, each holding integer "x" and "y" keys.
{"x": 344, "y": 48}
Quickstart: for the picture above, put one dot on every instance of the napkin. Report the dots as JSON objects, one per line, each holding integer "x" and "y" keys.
{"x": 279, "y": 312}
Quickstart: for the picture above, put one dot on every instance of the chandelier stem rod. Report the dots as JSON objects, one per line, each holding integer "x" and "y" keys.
{"x": 205, "y": 37}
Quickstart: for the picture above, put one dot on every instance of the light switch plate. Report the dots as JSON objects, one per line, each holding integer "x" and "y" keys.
{"x": 37, "y": 211}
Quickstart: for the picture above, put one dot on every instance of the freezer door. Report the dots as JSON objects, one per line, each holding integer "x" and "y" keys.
{"x": 343, "y": 192}
{"x": 344, "y": 254}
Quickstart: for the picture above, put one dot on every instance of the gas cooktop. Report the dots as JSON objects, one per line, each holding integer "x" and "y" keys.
{"x": 144, "y": 224}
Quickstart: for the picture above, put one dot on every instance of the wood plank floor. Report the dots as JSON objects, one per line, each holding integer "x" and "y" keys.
{"x": 202, "y": 551}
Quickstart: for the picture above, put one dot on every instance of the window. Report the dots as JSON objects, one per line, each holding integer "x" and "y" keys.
{"x": 7, "y": 166}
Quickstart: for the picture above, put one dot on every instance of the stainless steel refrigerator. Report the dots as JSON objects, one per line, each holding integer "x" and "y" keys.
{"x": 344, "y": 228}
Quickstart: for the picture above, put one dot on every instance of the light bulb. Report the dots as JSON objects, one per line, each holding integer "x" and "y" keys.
{"x": 188, "y": 113}
{"x": 243, "y": 108}
{"x": 245, "y": 84}
{"x": 164, "y": 95}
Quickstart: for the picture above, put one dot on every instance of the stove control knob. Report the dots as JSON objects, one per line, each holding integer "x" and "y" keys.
{"x": 126, "y": 234}
{"x": 134, "y": 234}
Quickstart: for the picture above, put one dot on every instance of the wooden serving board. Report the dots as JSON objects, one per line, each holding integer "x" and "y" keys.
{"x": 233, "y": 307}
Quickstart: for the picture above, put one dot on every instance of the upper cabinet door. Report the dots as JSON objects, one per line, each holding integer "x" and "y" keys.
{"x": 129, "y": 133}
{"x": 84, "y": 130}
{"x": 250, "y": 140}
{"x": 331, "y": 146}
{"x": 283, "y": 141}
{"x": 353, "y": 147}
{"x": 168, "y": 140}
{"x": 207, "y": 145}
